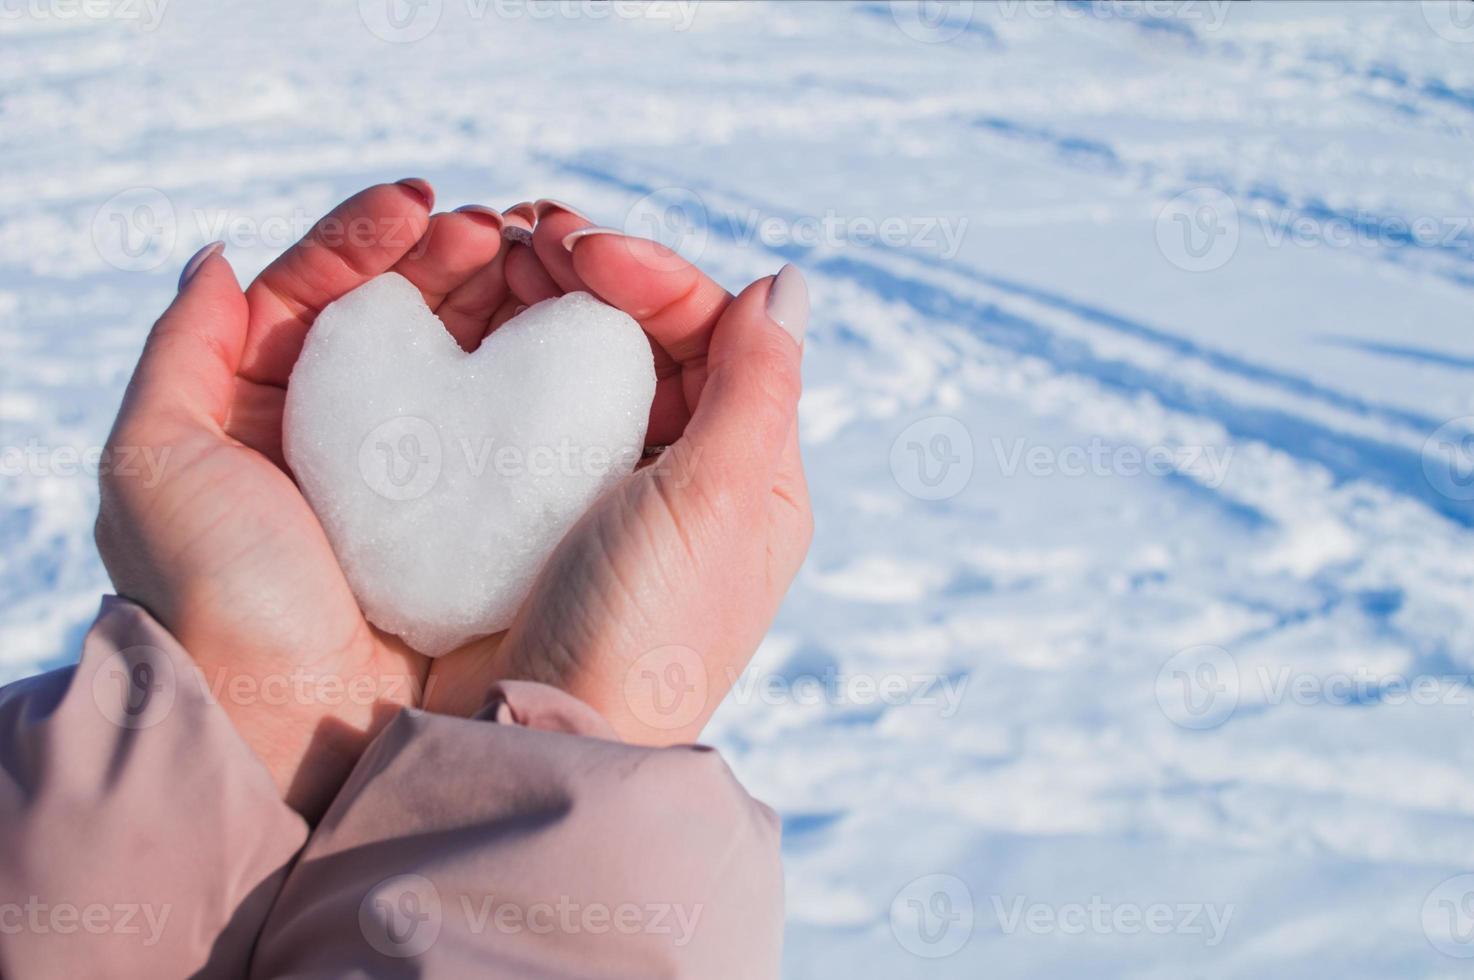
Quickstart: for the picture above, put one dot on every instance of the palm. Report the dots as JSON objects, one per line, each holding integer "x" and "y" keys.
{"x": 275, "y": 578}
{"x": 223, "y": 549}
{"x": 637, "y": 584}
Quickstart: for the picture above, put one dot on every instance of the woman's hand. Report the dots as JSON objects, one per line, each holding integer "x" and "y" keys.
{"x": 680, "y": 570}
{"x": 657, "y": 598}
{"x": 221, "y": 547}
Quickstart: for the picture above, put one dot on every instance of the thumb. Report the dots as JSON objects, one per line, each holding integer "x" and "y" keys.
{"x": 188, "y": 366}
{"x": 746, "y": 409}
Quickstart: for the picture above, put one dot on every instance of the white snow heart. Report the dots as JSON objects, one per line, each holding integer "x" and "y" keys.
{"x": 445, "y": 479}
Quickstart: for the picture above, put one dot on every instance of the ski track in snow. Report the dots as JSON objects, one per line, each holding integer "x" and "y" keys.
{"x": 1315, "y": 365}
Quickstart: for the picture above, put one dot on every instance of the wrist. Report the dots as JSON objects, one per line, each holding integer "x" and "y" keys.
{"x": 307, "y": 727}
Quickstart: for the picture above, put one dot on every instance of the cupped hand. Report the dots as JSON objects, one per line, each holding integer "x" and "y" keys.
{"x": 655, "y": 601}
{"x": 221, "y": 547}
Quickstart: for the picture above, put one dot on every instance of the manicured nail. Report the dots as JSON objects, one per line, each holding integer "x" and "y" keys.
{"x": 197, "y": 260}
{"x": 483, "y": 214}
{"x": 570, "y": 239}
{"x": 422, "y": 188}
{"x": 788, "y": 302}
{"x": 547, "y": 205}
{"x": 525, "y": 211}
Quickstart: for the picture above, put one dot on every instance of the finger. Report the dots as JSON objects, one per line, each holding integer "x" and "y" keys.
{"x": 256, "y": 417}
{"x": 793, "y": 517}
{"x": 525, "y": 213}
{"x": 555, "y": 222}
{"x": 527, "y": 280}
{"x": 188, "y": 365}
{"x": 454, "y": 247}
{"x": 469, "y": 309}
{"x": 676, "y": 303}
{"x": 670, "y": 411}
{"x": 744, "y": 420}
{"x": 526, "y": 277}
{"x": 509, "y": 308}
{"x": 362, "y": 237}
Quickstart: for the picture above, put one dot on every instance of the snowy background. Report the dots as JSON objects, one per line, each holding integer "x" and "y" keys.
{"x": 1136, "y": 406}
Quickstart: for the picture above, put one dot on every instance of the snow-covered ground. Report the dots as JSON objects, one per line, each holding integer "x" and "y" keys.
{"x": 1135, "y": 411}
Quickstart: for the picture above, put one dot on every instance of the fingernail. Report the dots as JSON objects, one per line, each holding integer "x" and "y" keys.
{"x": 525, "y": 211}
{"x": 519, "y": 309}
{"x": 788, "y": 302}
{"x": 483, "y": 214}
{"x": 547, "y": 205}
{"x": 420, "y": 187}
{"x": 570, "y": 239}
{"x": 197, "y": 260}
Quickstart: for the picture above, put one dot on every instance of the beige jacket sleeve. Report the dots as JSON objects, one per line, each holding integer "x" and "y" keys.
{"x": 528, "y": 844}
{"x": 139, "y": 836}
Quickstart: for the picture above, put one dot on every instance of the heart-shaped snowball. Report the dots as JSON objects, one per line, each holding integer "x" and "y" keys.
{"x": 445, "y": 479}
